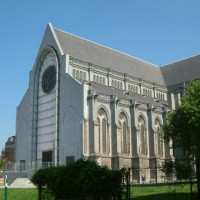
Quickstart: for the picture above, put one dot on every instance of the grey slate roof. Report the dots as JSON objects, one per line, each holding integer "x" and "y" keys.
{"x": 181, "y": 71}
{"x": 103, "y": 56}
{"x": 107, "y": 90}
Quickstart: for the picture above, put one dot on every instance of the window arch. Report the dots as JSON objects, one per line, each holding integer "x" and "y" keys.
{"x": 159, "y": 144}
{"x": 125, "y": 138}
{"x": 81, "y": 75}
{"x": 104, "y": 81}
{"x": 142, "y": 136}
{"x": 103, "y": 136}
{"x": 84, "y": 76}
{"x": 121, "y": 85}
{"x": 101, "y": 80}
{"x": 73, "y": 73}
{"x": 77, "y": 74}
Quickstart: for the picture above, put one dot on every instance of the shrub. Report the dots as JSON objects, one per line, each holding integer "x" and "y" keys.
{"x": 81, "y": 180}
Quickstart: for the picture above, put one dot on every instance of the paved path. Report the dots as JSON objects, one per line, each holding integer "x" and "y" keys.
{"x": 21, "y": 183}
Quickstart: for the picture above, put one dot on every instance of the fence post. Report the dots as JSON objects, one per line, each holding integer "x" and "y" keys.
{"x": 39, "y": 192}
{"x": 6, "y": 184}
{"x": 156, "y": 172}
{"x": 191, "y": 182}
{"x": 128, "y": 193}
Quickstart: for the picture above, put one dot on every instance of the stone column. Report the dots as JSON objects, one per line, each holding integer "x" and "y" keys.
{"x": 113, "y": 108}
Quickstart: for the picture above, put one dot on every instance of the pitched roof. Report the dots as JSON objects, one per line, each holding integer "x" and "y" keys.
{"x": 182, "y": 71}
{"x": 88, "y": 51}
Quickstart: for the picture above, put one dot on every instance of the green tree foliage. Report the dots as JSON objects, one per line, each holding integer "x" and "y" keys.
{"x": 81, "y": 180}
{"x": 183, "y": 128}
{"x": 181, "y": 169}
{"x": 2, "y": 164}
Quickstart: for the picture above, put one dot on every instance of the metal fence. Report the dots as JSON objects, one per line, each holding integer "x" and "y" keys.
{"x": 153, "y": 184}
{"x": 162, "y": 191}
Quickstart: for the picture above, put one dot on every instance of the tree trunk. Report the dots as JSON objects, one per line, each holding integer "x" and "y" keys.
{"x": 39, "y": 193}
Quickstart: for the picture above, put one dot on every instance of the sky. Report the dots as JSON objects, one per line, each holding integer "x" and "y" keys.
{"x": 157, "y": 31}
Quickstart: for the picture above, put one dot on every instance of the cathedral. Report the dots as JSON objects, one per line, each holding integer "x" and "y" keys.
{"x": 85, "y": 100}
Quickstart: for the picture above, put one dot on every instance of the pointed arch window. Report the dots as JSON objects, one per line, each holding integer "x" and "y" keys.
{"x": 159, "y": 144}
{"x": 104, "y": 81}
{"x": 73, "y": 72}
{"x": 125, "y": 138}
{"x": 103, "y": 137}
{"x": 84, "y": 76}
{"x": 81, "y": 75}
{"x": 77, "y": 74}
{"x": 142, "y": 136}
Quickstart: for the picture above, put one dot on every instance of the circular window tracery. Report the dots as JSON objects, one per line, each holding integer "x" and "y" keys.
{"x": 49, "y": 79}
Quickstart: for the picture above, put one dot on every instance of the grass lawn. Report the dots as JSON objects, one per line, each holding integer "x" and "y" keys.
{"x": 162, "y": 192}
{"x": 20, "y": 194}
{"x": 144, "y": 192}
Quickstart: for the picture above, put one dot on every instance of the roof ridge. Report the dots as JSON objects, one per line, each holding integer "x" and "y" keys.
{"x": 181, "y": 60}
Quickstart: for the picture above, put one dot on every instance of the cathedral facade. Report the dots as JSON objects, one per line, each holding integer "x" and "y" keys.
{"x": 88, "y": 101}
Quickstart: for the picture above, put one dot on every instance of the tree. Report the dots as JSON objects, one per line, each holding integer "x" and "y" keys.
{"x": 2, "y": 164}
{"x": 183, "y": 126}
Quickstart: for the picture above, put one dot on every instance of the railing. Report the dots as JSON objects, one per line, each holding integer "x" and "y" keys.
{"x": 22, "y": 167}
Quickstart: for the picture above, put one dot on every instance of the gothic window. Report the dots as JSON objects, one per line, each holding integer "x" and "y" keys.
{"x": 150, "y": 93}
{"x": 94, "y": 78}
{"x": 125, "y": 139}
{"x": 84, "y": 76}
{"x": 137, "y": 90}
{"x": 100, "y": 80}
{"x": 134, "y": 89}
{"x": 77, "y": 74}
{"x": 159, "y": 144}
{"x": 104, "y": 81}
{"x": 97, "y": 79}
{"x": 97, "y": 138}
{"x": 112, "y": 83}
{"x": 73, "y": 73}
{"x": 120, "y": 85}
{"x": 81, "y": 75}
{"x": 103, "y": 138}
{"x": 142, "y": 136}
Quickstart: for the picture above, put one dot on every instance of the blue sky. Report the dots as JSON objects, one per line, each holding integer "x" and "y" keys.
{"x": 157, "y": 31}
